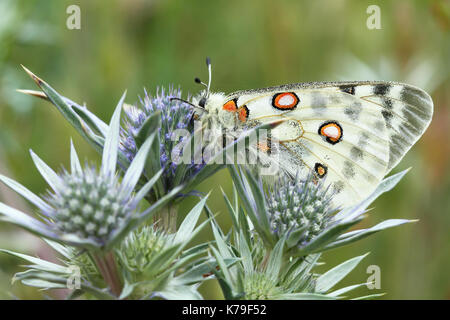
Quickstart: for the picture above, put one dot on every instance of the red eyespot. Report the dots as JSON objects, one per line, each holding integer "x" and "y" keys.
{"x": 285, "y": 100}
{"x": 243, "y": 113}
{"x": 331, "y": 131}
{"x": 230, "y": 106}
{"x": 320, "y": 169}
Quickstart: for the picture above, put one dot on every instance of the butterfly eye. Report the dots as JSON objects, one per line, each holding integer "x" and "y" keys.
{"x": 202, "y": 102}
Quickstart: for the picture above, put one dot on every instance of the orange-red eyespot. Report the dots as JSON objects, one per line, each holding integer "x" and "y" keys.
{"x": 285, "y": 100}
{"x": 320, "y": 169}
{"x": 243, "y": 113}
{"x": 230, "y": 106}
{"x": 331, "y": 131}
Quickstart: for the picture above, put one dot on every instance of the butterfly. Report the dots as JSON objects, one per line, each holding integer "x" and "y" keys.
{"x": 350, "y": 134}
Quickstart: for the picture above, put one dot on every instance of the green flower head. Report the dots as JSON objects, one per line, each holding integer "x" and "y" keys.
{"x": 88, "y": 207}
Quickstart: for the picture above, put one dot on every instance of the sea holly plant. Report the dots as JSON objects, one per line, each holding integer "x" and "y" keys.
{"x": 279, "y": 233}
{"x": 117, "y": 232}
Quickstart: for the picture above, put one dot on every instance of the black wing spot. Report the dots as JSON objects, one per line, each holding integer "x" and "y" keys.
{"x": 381, "y": 89}
{"x": 387, "y": 103}
{"x": 348, "y": 89}
{"x": 387, "y": 115}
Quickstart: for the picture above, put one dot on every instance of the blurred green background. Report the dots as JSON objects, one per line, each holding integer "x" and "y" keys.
{"x": 132, "y": 44}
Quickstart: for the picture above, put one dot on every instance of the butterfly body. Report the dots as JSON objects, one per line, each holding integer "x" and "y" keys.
{"x": 351, "y": 134}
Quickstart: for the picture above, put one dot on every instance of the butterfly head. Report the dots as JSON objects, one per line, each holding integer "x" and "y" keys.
{"x": 208, "y": 105}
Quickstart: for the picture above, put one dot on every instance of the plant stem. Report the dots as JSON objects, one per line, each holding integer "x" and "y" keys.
{"x": 106, "y": 264}
{"x": 265, "y": 260}
{"x": 166, "y": 218}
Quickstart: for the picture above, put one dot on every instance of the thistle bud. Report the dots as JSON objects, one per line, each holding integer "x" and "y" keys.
{"x": 294, "y": 204}
{"x": 89, "y": 205}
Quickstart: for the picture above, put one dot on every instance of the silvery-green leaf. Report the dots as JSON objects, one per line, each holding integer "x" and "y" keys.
{"x": 148, "y": 186}
{"x": 198, "y": 272}
{"x": 40, "y": 264}
{"x": 61, "y": 104}
{"x": 242, "y": 187}
{"x": 295, "y": 236}
{"x": 134, "y": 171}
{"x": 330, "y": 278}
{"x": 91, "y": 119}
{"x": 202, "y": 247}
{"x": 338, "y": 293}
{"x": 74, "y": 160}
{"x": 233, "y": 212}
{"x": 260, "y": 202}
{"x": 189, "y": 222}
{"x": 223, "y": 267}
{"x": 53, "y": 180}
{"x": 148, "y": 213}
{"x": 304, "y": 296}
{"x": 63, "y": 250}
{"x": 163, "y": 258}
{"x": 27, "y": 194}
{"x": 370, "y": 296}
{"x": 23, "y": 220}
{"x": 47, "y": 280}
{"x": 224, "y": 251}
{"x": 245, "y": 253}
{"x": 356, "y": 235}
{"x": 44, "y": 284}
{"x": 275, "y": 260}
{"x": 127, "y": 289}
{"x": 179, "y": 293}
{"x": 110, "y": 149}
{"x": 321, "y": 240}
{"x": 150, "y": 126}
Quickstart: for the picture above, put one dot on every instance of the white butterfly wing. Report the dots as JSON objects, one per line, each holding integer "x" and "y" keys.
{"x": 350, "y": 133}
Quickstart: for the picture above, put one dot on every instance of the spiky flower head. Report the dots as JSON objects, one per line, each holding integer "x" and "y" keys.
{"x": 177, "y": 126}
{"x": 295, "y": 204}
{"x": 88, "y": 208}
{"x": 259, "y": 286}
{"x": 140, "y": 248}
{"x": 89, "y": 205}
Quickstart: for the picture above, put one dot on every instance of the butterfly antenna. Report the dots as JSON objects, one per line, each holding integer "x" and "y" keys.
{"x": 187, "y": 102}
{"x": 208, "y": 64}
{"x": 197, "y": 80}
